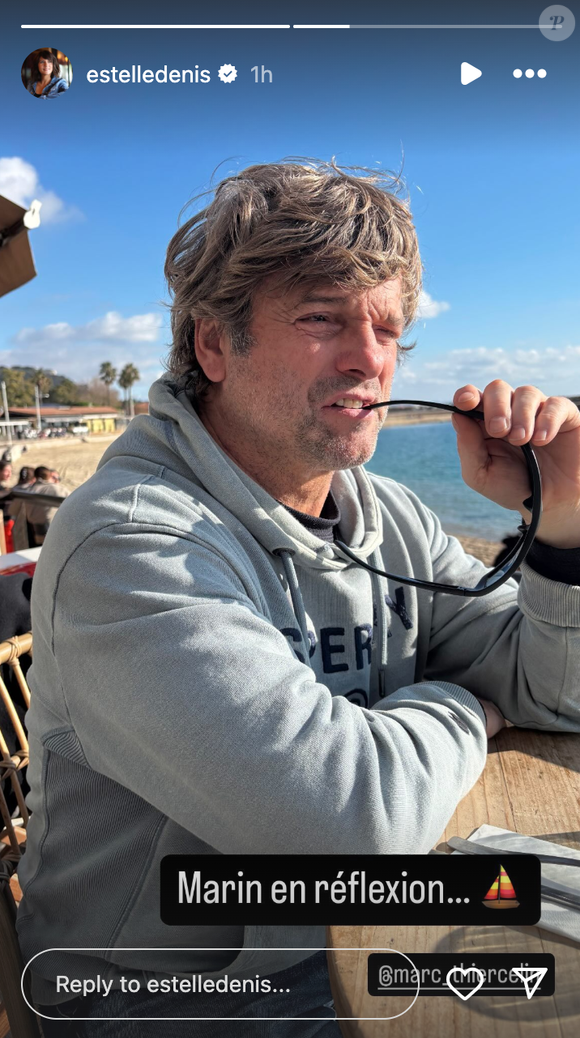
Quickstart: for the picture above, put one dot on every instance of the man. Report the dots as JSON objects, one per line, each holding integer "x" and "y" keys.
{"x": 243, "y": 687}
{"x": 39, "y": 513}
{"x": 5, "y": 477}
{"x": 21, "y": 532}
{"x": 6, "y": 523}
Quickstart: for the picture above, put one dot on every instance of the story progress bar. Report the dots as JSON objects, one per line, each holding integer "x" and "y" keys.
{"x": 536, "y": 25}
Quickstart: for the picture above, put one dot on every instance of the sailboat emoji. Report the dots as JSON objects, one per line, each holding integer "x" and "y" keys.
{"x": 501, "y": 894}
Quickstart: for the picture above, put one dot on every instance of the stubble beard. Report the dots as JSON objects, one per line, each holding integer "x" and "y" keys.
{"x": 330, "y": 452}
{"x": 313, "y": 447}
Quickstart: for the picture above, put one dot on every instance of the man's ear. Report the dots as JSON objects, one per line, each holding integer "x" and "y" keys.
{"x": 211, "y": 348}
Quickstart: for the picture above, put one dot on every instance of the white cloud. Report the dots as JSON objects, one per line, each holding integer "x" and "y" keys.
{"x": 554, "y": 371}
{"x": 109, "y": 328}
{"x": 140, "y": 328}
{"x": 77, "y": 351}
{"x": 529, "y": 356}
{"x": 19, "y": 181}
{"x": 429, "y": 307}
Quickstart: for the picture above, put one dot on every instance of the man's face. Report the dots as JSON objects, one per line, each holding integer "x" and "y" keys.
{"x": 5, "y": 473}
{"x": 312, "y": 347}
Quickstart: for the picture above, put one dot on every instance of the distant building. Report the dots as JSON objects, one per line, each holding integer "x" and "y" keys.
{"x": 16, "y": 426}
{"x": 96, "y": 419}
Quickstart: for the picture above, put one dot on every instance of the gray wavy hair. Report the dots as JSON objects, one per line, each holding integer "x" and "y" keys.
{"x": 304, "y": 223}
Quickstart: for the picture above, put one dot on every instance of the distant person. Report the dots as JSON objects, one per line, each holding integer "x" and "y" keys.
{"x": 5, "y": 477}
{"x": 5, "y": 474}
{"x": 38, "y": 513}
{"x": 46, "y": 80}
{"x": 25, "y": 477}
{"x": 5, "y": 501}
{"x": 22, "y": 531}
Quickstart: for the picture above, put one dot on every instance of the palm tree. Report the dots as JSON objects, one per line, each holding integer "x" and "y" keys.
{"x": 108, "y": 374}
{"x": 42, "y": 380}
{"x": 43, "y": 384}
{"x": 128, "y": 376}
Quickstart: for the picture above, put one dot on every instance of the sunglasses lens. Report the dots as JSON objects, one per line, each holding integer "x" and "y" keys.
{"x": 491, "y": 580}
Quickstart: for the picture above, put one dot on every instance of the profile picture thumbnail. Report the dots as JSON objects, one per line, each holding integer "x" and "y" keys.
{"x": 46, "y": 73}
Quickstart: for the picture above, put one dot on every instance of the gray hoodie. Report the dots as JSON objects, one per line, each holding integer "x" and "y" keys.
{"x": 209, "y": 676}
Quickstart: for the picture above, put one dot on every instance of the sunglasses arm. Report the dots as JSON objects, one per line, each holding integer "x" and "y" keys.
{"x": 499, "y": 574}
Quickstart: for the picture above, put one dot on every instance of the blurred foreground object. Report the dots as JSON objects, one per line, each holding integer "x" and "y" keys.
{"x": 16, "y": 262}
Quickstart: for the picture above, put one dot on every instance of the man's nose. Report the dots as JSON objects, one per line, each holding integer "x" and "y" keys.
{"x": 361, "y": 354}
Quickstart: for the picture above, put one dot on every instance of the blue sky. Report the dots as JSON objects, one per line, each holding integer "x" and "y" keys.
{"x": 492, "y": 169}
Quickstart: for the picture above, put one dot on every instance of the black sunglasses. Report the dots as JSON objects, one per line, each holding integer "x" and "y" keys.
{"x": 513, "y": 560}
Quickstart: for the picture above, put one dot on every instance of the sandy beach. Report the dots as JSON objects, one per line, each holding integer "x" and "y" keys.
{"x": 484, "y": 550}
{"x": 76, "y": 460}
{"x": 412, "y": 418}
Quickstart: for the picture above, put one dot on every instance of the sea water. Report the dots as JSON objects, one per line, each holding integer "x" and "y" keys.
{"x": 424, "y": 458}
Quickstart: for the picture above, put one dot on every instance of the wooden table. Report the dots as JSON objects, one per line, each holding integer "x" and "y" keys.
{"x": 531, "y": 784}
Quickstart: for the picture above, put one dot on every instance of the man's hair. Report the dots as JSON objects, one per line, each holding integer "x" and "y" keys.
{"x": 304, "y": 224}
{"x": 42, "y": 472}
{"x": 51, "y": 57}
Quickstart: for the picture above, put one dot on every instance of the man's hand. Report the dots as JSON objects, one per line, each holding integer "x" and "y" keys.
{"x": 493, "y": 464}
{"x": 494, "y": 719}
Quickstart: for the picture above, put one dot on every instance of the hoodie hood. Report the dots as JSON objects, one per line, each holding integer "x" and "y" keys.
{"x": 184, "y": 445}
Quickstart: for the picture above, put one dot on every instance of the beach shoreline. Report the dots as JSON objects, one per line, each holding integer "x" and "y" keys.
{"x": 414, "y": 418}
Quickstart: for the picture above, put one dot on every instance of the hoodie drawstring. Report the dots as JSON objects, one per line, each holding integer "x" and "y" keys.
{"x": 285, "y": 554}
{"x": 380, "y": 633}
{"x": 379, "y": 642}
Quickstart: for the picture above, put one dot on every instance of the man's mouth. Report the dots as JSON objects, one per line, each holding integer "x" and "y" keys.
{"x": 350, "y": 407}
{"x": 348, "y": 402}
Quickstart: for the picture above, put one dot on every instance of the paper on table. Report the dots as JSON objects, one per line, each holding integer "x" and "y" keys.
{"x": 560, "y": 919}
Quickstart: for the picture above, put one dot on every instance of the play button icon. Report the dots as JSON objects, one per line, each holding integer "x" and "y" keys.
{"x": 469, "y": 73}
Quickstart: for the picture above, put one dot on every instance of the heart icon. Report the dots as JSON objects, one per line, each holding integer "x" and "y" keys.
{"x": 464, "y": 973}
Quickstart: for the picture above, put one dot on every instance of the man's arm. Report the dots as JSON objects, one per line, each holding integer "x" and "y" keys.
{"x": 518, "y": 647}
{"x": 525, "y": 660}
{"x": 179, "y": 688}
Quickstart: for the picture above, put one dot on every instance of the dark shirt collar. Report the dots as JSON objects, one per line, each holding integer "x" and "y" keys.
{"x": 323, "y": 526}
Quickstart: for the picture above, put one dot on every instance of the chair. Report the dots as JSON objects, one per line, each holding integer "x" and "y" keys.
{"x": 15, "y": 1014}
